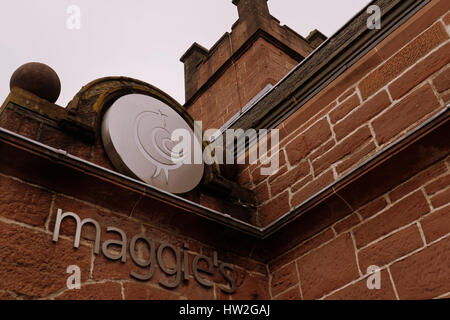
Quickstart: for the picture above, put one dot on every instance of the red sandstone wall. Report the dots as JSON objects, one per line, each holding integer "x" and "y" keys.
{"x": 390, "y": 91}
{"x": 33, "y": 267}
{"x": 49, "y": 133}
{"x": 405, "y": 232}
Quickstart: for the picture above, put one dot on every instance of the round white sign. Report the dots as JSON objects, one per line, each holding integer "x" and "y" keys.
{"x": 138, "y": 136}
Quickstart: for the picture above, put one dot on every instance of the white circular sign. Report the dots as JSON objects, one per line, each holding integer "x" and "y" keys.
{"x": 137, "y": 135}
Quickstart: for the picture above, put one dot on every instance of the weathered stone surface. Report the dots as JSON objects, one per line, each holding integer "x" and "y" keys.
{"x": 359, "y": 290}
{"x": 346, "y": 223}
{"x": 274, "y": 208}
{"x": 406, "y": 57}
{"x": 32, "y": 265}
{"x": 303, "y": 248}
{"x": 284, "y": 278}
{"x": 442, "y": 81}
{"x": 16, "y": 121}
{"x": 357, "y": 157}
{"x": 343, "y": 149}
{"x": 418, "y": 180}
{"x": 253, "y": 287}
{"x": 306, "y": 142}
{"x": 24, "y": 203}
{"x": 328, "y": 268}
{"x": 424, "y": 275}
{"x": 391, "y": 248}
{"x": 6, "y": 296}
{"x": 438, "y": 185}
{"x": 290, "y": 178}
{"x": 343, "y": 109}
{"x": 58, "y": 139}
{"x": 436, "y": 224}
{"x": 413, "y": 27}
{"x": 412, "y": 109}
{"x": 304, "y": 190}
{"x": 430, "y": 65}
{"x": 400, "y": 214}
{"x": 142, "y": 291}
{"x": 372, "y": 207}
{"x": 94, "y": 291}
{"x": 441, "y": 199}
{"x": 262, "y": 192}
{"x": 364, "y": 113}
{"x": 291, "y": 294}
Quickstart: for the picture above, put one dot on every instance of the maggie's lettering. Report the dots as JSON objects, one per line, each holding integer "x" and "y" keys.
{"x": 200, "y": 263}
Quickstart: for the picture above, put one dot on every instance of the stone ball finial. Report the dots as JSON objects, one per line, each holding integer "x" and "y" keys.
{"x": 37, "y": 78}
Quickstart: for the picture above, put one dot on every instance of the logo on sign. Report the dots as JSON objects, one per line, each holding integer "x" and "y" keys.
{"x": 137, "y": 134}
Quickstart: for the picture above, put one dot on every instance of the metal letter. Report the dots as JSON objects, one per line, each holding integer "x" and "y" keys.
{"x": 196, "y": 268}
{"x": 232, "y": 288}
{"x": 170, "y": 271}
{"x": 60, "y": 217}
{"x": 122, "y": 243}
{"x": 150, "y": 261}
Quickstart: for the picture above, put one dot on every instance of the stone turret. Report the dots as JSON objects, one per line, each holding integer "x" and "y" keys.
{"x": 255, "y": 55}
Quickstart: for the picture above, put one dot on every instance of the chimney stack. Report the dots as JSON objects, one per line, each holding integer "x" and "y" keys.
{"x": 251, "y": 8}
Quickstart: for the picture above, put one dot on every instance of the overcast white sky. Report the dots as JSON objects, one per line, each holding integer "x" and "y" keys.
{"x": 136, "y": 38}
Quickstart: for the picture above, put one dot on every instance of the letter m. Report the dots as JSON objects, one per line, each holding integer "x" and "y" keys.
{"x": 60, "y": 216}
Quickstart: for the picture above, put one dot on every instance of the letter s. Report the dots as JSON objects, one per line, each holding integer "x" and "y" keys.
{"x": 230, "y": 280}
